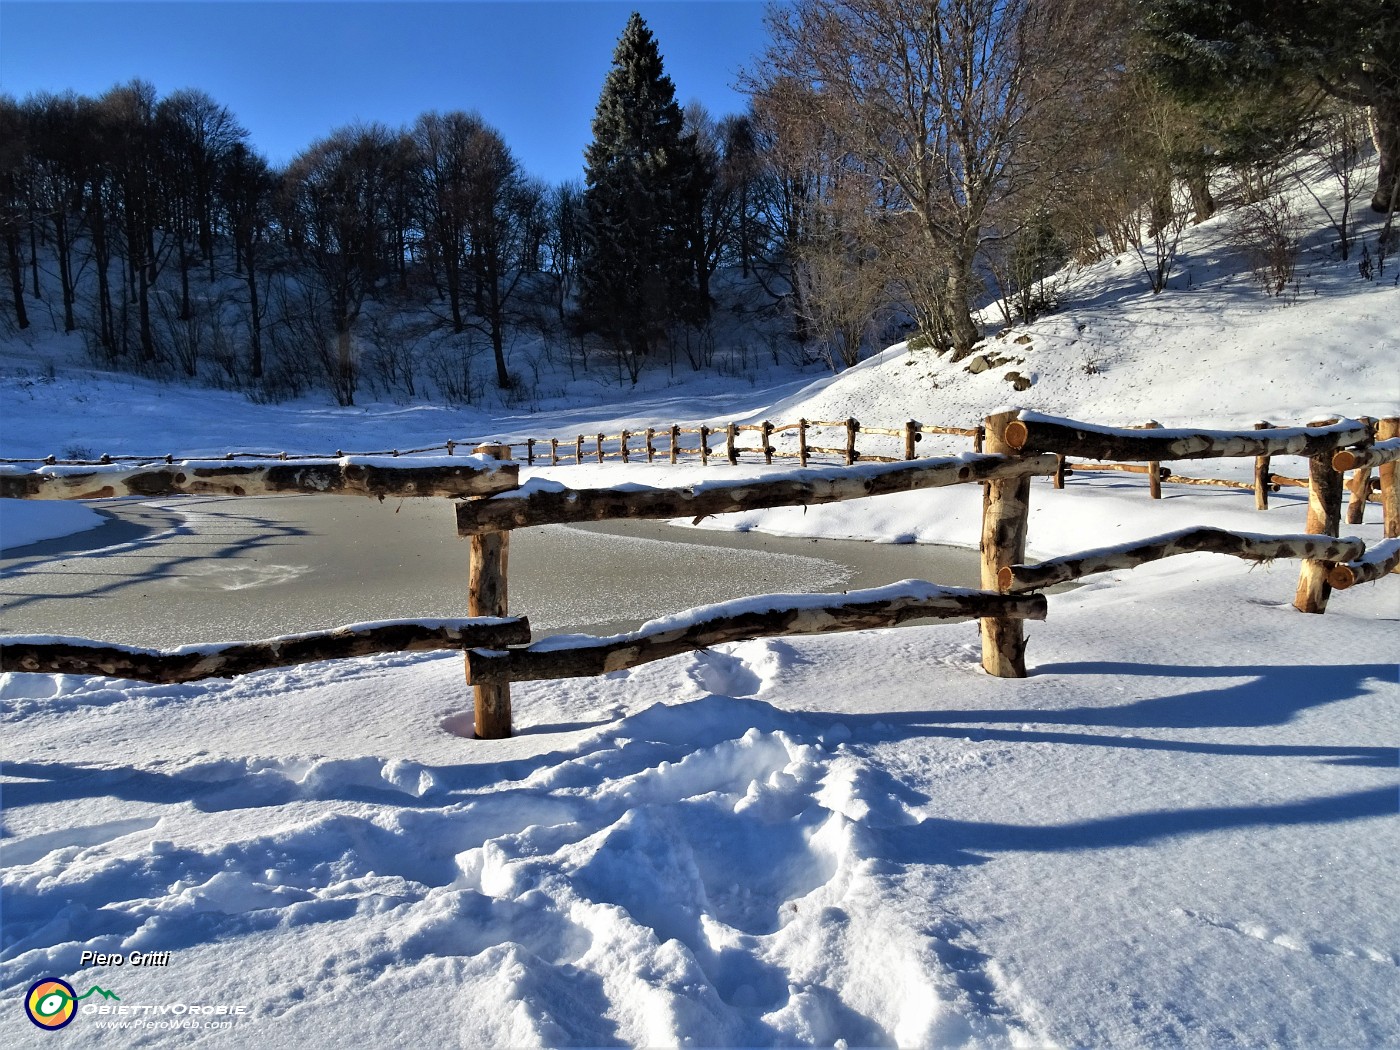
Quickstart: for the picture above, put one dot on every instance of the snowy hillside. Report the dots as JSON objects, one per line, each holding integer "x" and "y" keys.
{"x": 1179, "y": 830}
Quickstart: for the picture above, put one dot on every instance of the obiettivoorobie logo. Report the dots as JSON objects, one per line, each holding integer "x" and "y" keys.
{"x": 52, "y": 1003}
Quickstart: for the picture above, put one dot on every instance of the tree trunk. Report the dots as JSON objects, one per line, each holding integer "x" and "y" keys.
{"x": 16, "y": 276}
{"x": 1384, "y": 118}
{"x": 962, "y": 329}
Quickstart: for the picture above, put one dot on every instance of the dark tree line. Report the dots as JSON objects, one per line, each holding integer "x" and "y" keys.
{"x": 903, "y": 162}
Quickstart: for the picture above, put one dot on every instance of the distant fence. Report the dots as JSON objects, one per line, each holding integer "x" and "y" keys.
{"x": 806, "y": 440}
{"x": 492, "y": 502}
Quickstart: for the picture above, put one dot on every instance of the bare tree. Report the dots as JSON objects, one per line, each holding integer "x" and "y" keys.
{"x": 334, "y": 208}
{"x": 939, "y": 98}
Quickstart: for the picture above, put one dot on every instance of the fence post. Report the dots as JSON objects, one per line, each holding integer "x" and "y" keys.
{"x": 486, "y": 596}
{"x": 802, "y": 442}
{"x": 1005, "y": 517}
{"x": 979, "y": 438}
{"x": 1154, "y": 468}
{"x": 1261, "y": 473}
{"x": 675, "y": 440}
{"x": 852, "y": 429}
{"x": 1390, "y": 496}
{"x": 578, "y": 450}
{"x": 1061, "y": 464}
{"x": 767, "y": 436}
{"x": 1360, "y": 484}
{"x": 651, "y": 445}
{"x": 625, "y": 435}
{"x": 600, "y": 446}
{"x": 1325, "y": 519}
{"x": 911, "y": 435}
{"x": 730, "y": 432}
{"x": 704, "y": 445}
{"x": 553, "y": 452}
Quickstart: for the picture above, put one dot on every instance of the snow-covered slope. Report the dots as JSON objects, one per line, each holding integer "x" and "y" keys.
{"x": 1179, "y": 830}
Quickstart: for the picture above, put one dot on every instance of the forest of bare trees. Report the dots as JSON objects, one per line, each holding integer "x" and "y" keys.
{"x": 902, "y": 165}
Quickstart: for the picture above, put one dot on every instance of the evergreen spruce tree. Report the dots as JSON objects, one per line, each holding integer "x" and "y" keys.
{"x": 633, "y": 275}
{"x": 1236, "y": 61}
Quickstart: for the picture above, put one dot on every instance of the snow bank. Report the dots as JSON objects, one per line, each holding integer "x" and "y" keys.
{"x": 23, "y": 522}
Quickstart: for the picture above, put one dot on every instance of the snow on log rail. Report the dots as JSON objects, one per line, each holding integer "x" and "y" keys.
{"x": 349, "y": 476}
{"x": 1034, "y": 432}
{"x": 541, "y": 502}
{"x": 577, "y": 656}
{"x": 55, "y": 655}
{"x": 1015, "y": 579}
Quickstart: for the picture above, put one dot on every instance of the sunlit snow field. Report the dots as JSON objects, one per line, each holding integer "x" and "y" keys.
{"x": 1181, "y": 829}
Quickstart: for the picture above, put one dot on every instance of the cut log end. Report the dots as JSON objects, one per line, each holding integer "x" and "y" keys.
{"x": 1341, "y": 577}
{"x": 1016, "y": 434}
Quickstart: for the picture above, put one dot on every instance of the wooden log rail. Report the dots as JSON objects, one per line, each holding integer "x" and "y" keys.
{"x": 577, "y": 656}
{"x": 601, "y": 447}
{"x": 1379, "y": 454}
{"x": 1020, "y": 578}
{"x": 192, "y": 663}
{"x": 549, "y": 503}
{"x": 1380, "y": 560}
{"x": 349, "y": 476}
{"x": 1033, "y": 432}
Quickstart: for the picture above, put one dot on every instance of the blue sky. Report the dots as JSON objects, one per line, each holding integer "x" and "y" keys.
{"x": 293, "y": 71}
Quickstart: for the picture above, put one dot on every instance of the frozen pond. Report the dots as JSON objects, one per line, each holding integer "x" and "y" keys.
{"x": 203, "y": 569}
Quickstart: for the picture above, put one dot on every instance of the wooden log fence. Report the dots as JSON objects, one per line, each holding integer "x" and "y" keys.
{"x": 767, "y": 616}
{"x": 1020, "y": 578}
{"x": 544, "y": 503}
{"x": 357, "y": 476}
{"x": 1380, "y": 560}
{"x": 491, "y": 503}
{"x": 193, "y": 663}
{"x": 487, "y": 595}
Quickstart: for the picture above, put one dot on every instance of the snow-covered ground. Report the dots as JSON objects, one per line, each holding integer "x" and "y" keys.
{"x": 1181, "y": 829}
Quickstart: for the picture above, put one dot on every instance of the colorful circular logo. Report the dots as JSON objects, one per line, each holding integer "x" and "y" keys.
{"x": 51, "y": 1003}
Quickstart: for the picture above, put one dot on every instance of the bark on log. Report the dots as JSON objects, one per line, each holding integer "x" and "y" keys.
{"x": 1324, "y": 519}
{"x": 1381, "y": 560}
{"x": 1017, "y": 579}
{"x": 856, "y": 611}
{"x": 797, "y": 488}
{"x": 1360, "y": 483}
{"x": 1005, "y": 520}
{"x": 1154, "y": 467}
{"x": 194, "y": 663}
{"x": 1085, "y": 441}
{"x": 345, "y": 477}
{"x": 487, "y": 595}
{"x": 1360, "y": 488}
{"x": 1386, "y": 431}
{"x": 1382, "y": 452}
{"x": 1125, "y": 468}
{"x": 1262, "y": 467}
